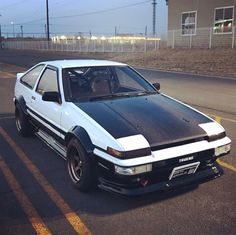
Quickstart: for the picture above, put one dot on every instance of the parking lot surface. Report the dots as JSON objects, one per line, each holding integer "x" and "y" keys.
{"x": 36, "y": 195}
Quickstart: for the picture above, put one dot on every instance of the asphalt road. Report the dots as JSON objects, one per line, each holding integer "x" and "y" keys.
{"x": 36, "y": 193}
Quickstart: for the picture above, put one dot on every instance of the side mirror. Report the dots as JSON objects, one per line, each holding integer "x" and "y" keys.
{"x": 52, "y": 96}
{"x": 157, "y": 85}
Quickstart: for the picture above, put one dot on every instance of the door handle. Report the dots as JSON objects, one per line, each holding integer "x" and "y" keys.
{"x": 33, "y": 98}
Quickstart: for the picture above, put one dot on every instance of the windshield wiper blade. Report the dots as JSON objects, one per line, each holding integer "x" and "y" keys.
{"x": 145, "y": 93}
{"x": 111, "y": 96}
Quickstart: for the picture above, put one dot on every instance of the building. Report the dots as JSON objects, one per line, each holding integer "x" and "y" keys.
{"x": 201, "y": 23}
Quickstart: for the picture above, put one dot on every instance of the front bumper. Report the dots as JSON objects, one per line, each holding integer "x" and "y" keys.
{"x": 163, "y": 162}
{"x": 132, "y": 187}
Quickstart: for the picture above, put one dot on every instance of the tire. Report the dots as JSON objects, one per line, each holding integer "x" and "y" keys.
{"x": 79, "y": 166}
{"x": 23, "y": 125}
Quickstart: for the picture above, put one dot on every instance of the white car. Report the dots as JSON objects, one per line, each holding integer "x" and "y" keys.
{"x": 115, "y": 129}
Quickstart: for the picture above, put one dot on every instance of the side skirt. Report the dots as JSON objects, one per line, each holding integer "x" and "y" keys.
{"x": 52, "y": 143}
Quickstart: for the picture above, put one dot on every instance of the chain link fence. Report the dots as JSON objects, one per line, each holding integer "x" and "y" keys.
{"x": 87, "y": 45}
{"x": 204, "y": 38}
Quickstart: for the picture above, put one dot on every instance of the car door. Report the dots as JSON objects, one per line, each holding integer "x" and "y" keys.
{"x": 47, "y": 114}
{"x": 25, "y": 85}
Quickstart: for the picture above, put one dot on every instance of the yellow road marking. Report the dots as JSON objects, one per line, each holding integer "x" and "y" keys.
{"x": 218, "y": 119}
{"x": 24, "y": 201}
{"x": 226, "y": 165}
{"x": 70, "y": 215}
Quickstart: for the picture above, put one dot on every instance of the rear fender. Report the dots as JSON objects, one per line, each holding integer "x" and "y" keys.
{"x": 21, "y": 101}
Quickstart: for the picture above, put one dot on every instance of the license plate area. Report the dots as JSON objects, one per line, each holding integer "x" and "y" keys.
{"x": 184, "y": 170}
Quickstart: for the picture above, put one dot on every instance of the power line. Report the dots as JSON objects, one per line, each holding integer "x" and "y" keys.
{"x": 101, "y": 11}
{"x": 13, "y": 4}
{"x": 90, "y": 13}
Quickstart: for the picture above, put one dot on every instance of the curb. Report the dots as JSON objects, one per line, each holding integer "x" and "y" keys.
{"x": 187, "y": 73}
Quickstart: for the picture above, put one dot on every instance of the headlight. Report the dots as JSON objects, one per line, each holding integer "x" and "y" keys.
{"x": 133, "y": 170}
{"x": 222, "y": 150}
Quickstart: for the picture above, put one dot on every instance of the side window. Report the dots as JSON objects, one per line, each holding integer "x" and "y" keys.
{"x": 48, "y": 81}
{"x": 31, "y": 77}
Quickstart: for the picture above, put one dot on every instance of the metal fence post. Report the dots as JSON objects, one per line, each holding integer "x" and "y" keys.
{"x": 210, "y": 39}
{"x": 190, "y": 41}
{"x": 94, "y": 46}
{"x": 88, "y": 42}
{"x": 145, "y": 45}
{"x": 173, "y": 40}
{"x": 112, "y": 45}
{"x": 233, "y": 36}
{"x": 80, "y": 47}
{"x": 73, "y": 45}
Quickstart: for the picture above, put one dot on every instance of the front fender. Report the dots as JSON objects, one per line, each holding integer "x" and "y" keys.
{"x": 81, "y": 134}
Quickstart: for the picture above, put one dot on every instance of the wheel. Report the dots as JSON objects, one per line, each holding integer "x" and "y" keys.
{"x": 23, "y": 125}
{"x": 79, "y": 166}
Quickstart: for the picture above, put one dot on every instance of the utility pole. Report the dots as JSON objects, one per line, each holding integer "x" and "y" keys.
{"x": 21, "y": 30}
{"x": 154, "y": 3}
{"x": 47, "y": 15}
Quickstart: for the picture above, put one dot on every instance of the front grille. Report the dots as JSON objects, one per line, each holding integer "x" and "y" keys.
{"x": 173, "y": 162}
{"x": 162, "y": 169}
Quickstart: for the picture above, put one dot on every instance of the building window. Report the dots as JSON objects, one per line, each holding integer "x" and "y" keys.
{"x": 189, "y": 20}
{"x": 223, "y": 20}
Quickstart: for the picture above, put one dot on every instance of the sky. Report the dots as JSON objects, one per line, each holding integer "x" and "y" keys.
{"x": 70, "y": 17}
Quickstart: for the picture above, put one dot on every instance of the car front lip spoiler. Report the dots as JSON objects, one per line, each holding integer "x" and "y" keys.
{"x": 199, "y": 177}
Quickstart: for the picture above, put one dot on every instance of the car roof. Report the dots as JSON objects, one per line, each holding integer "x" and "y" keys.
{"x": 81, "y": 63}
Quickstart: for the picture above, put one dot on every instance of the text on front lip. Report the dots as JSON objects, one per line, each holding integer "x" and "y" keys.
{"x": 186, "y": 159}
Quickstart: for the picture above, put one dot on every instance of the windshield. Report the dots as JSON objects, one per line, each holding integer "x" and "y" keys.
{"x": 91, "y": 83}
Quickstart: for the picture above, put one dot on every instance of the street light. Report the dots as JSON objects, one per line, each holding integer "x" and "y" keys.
{"x": 13, "y": 28}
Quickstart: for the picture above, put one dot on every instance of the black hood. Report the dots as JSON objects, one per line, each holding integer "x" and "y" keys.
{"x": 158, "y": 118}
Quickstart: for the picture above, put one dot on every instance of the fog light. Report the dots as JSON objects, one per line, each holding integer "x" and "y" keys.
{"x": 133, "y": 170}
{"x": 222, "y": 150}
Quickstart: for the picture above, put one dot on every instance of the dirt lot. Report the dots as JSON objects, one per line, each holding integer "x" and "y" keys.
{"x": 215, "y": 62}
{"x": 219, "y": 62}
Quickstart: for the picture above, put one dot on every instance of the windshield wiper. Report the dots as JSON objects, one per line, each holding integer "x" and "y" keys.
{"x": 145, "y": 93}
{"x": 111, "y": 96}
{"x": 118, "y": 95}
